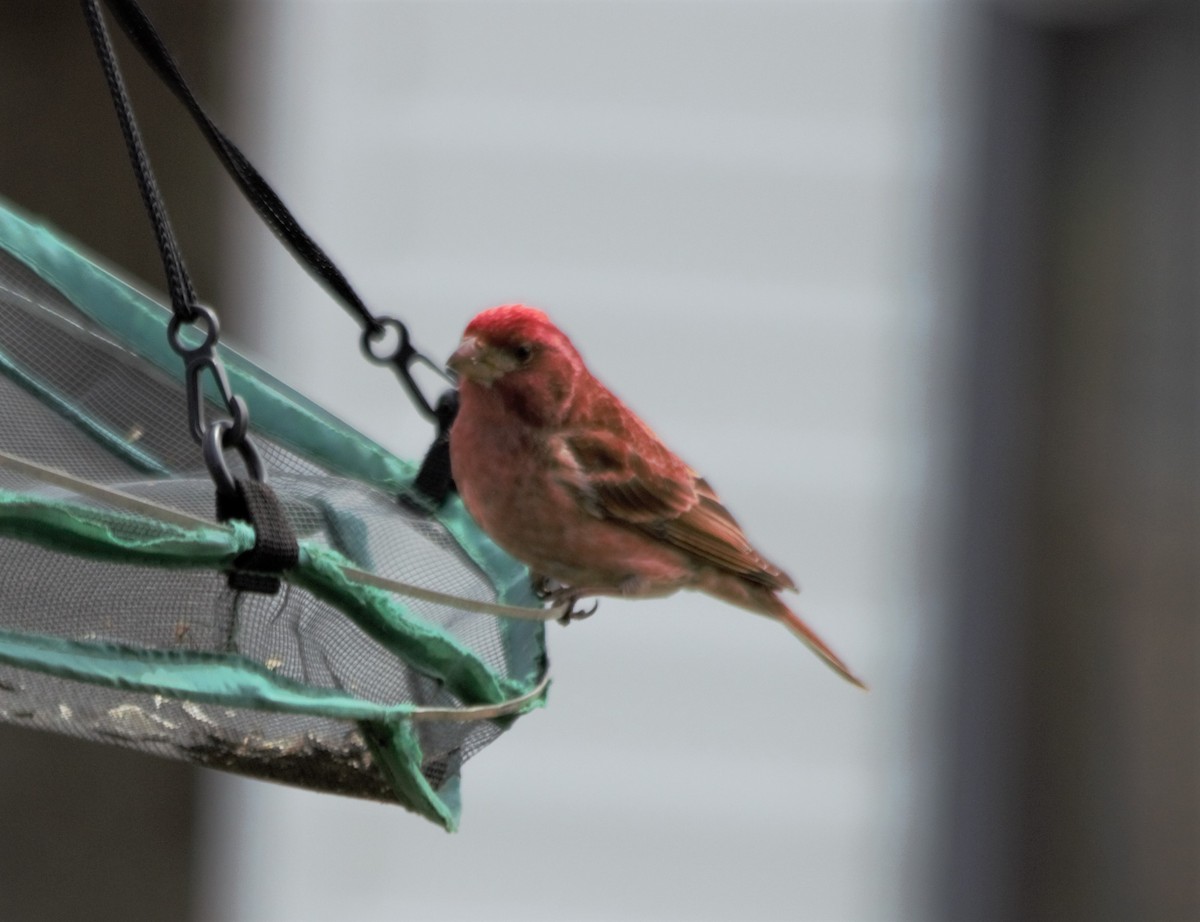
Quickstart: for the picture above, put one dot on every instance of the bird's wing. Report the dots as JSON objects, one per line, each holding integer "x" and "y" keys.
{"x": 621, "y": 471}
{"x": 710, "y": 533}
{"x": 613, "y": 479}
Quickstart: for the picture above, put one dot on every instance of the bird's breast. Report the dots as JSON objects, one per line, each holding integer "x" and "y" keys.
{"x": 514, "y": 485}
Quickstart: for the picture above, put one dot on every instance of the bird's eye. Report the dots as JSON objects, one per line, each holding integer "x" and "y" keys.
{"x": 523, "y": 352}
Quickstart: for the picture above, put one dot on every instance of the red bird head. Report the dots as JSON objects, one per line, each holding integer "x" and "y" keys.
{"x": 517, "y": 352}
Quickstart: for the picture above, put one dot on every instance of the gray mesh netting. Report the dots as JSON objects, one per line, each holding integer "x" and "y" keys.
{"x": 374, "y": 672}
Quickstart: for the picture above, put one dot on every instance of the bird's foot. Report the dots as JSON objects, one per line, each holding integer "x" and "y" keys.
{"x": 543, "y": 586}
{"x": 571, "y": 614}
{"x": 571, "y": 597}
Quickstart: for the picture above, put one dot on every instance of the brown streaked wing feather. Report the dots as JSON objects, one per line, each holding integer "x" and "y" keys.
{"x": 655, "y": 492}
{"x": 616, "y": 483}
{"x": 709, "y": 532}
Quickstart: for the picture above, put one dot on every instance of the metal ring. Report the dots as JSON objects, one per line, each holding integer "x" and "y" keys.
{"x": 403, "y": 349}
{"x": 402, "y": 358}
{"x": 212, "y": 331}
{"x": 214, "y": 456}
{"x": 239, "y": 418}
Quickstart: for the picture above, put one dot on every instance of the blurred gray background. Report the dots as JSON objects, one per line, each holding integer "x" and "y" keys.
{"x": 913, "y": 282}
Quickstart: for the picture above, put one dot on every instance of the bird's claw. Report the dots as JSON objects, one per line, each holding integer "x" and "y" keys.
{"x": 549, "y": 590}
{"x": 572, "y": 615}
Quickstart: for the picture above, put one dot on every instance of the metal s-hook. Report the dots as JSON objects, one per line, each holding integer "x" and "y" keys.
{"x": 215, "y": 436}
{"x": 199, "y": 359}
{"x": 402, "y": 356}
{"x": 217, "y": 439}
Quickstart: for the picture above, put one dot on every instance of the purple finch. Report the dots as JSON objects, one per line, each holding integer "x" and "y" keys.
{"x": 563, "y": 476}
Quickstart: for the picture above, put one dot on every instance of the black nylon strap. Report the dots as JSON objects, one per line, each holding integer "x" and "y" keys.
{"x": 272, "y": 210}
{"x": 179, "y": 282}
{"x": 256, "y": 189}
{"x": 201, "y": 358}
{"x": 276, "y": 547}
{"x": 434, "y": 480}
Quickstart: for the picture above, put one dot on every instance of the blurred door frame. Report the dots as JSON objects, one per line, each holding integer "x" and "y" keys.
{"x": 1072, "y": 780}
{"x": 98, "y": 832}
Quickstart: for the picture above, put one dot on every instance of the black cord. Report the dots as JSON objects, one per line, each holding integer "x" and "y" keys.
{"x": 276, "y": 548}
{"x": 277, "y": 216}
{"x": 435, "y": 479}
{"x": 179, "y": 283}
{"x": 256, "y": 189}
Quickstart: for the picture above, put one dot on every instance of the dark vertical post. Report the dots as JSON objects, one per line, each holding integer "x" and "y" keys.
{"x": 1074, "y": 774}
{"x": 93, "y": 832}
{"x": 1111, "y": 791}
{"x": 997, "y": 425}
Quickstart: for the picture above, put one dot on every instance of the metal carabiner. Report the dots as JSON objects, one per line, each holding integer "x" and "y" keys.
{"x": 239, "y": 413}
{"x": 401, "y": 358}
{"x": 212, "y": 331}
{"x": 197, "y": 360}
{"x": 217, "y": 438}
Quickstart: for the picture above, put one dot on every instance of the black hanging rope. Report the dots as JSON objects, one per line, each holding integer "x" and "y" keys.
{"x": 276, "y": 547}
{"x": 179, "y": 283}
{"x": 256, "y": 189}
{"x": 434, "y": 480}
{"x": 276, "y": 215}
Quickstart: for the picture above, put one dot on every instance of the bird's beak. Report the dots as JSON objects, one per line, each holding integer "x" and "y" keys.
{"x": 467, "y": 360}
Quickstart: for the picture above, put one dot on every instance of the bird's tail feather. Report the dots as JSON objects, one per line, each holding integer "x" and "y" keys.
{"x": 797, "y": 626}
{"x": 765, "y": 600}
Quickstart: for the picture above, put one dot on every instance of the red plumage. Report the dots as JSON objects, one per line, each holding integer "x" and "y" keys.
{"x": 567, "y": 479}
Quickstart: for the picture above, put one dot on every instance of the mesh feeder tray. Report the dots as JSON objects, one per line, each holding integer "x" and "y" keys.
{"x": 401, "y": 644}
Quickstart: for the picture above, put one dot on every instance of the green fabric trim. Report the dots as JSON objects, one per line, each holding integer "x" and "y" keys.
{"x": 124, "y": 538}
{"x": 103, "y": 534}
{"x": 234, "y": 681}
{"x": 398, "y": 755}
{"x": 428, "y": 648}
{"x": 227, "y": 679}
{"x": 93, "y": 427}
{"x": 140, "y": 324}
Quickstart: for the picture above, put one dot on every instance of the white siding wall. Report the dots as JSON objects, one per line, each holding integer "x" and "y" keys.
{"x": 725, "y": 205}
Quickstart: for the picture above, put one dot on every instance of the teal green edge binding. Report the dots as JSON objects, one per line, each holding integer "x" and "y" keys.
{"x": 124, "y": 538}
{"x": 97, "y": 430}
{"x": 233, "y": 680}
{"x": 282, "y": 413}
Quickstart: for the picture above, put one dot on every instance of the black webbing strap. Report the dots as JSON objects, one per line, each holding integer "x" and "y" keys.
{"x": 434, "y": 481}
{"x": 271, "y": 208}
{"x": 249, "y": 499}
{"x": 275, "y": 545}
{"x": 179, "y": 283}
{"x": 256, "y": 189}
